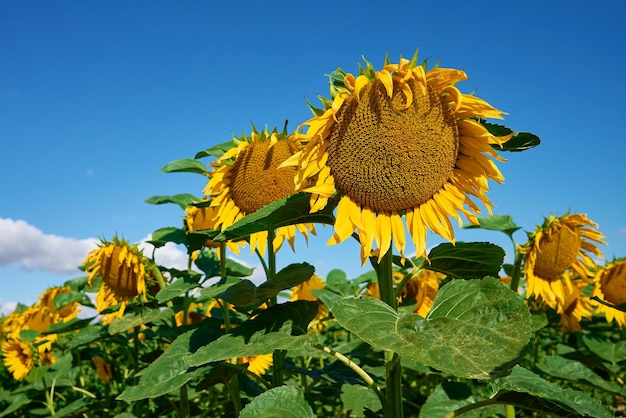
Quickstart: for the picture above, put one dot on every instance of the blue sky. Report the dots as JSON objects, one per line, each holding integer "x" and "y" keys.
{"x": 96, "y": 97}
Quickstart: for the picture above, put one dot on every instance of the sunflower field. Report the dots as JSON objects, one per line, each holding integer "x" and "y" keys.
{"x": 389, "y": 157}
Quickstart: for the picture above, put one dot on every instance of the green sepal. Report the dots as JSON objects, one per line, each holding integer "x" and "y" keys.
{"x": 521, "y": 141}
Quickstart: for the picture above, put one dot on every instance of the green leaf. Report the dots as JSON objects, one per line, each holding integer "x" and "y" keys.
{"x": 172, "y": 369}
{"x": 217, "y": 151}
{"x": 140, "y": 317}
{"x": 450, "y": 396}
{"x": 288, "y": 211}
{"x": 71, "y": 325}
{"x": 327, "y": 297}
{"x": 182, "y": 199}
{"x": 73, "y": 408}
{"x": 474, "y": 329}
{"x": 185, "y": 165}
{"x": 568, "y": 369}
{"x": 281, "y": 327}
{"x": 246, "y": 295}
{"x": 18, "y": 402}
{"x": 281, "y": 401}
{"x": 337, "y": 281}
{"x": 88, "y": 335}
{"x": 503, "y": 223}
{"x": 356, "y": 398}
{"x": 236, "y": 269}
{"x": 466, "y": 260}
{"x": 621, "y": 307}
{"x": 169, "y": 234}
{"x": 605, "y": 348}
{"x": 176, "y": 289}
{"x": 533, "y": 392}
{"x": 64, "y": 299}
{"x": 519, "y": 142}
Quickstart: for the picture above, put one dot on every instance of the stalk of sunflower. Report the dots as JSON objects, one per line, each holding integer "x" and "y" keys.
{"x": 247, "y": 177}
{"x": 123, "y": 270}
{"x": 561, "y": 244}
{"x": 399, "y": 142}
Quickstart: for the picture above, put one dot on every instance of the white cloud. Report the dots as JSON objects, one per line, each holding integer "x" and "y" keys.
{"x": 7, "y": 307}
{"x": 168, "y": 255}
{"x": 24, "y": 245}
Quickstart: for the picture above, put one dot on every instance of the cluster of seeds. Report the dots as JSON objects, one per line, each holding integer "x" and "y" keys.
{"x": 388, "y": 157}
{"x": 258, "y": 165}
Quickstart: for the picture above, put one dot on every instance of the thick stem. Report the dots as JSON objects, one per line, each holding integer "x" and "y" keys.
{"x": 393, "y": 403}
{"x": 278, "y": 357}
{"x": 517, "y": 269}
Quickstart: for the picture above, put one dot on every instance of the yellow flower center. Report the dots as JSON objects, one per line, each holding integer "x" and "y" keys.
{"x": 121, "y": 275}
{"x": 557, "y": 252}
{"x": 387, "y": 158}
{"x": 256, "y": 179}
{"x": 613, "y": 284}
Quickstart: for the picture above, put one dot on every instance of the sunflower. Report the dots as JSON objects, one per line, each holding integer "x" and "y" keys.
{"x": 202, "y": 217}
{"x": 610, "y": 286}
{"x": 576, "y": 305}
{"x": 63, "y": 313}
{"x": 303, "y": 292}
{"x": 422, "y": 288}
{"x": 248, "y": 177}
{"x": 103, "y": 369}
{"x": 399, "y": 142}
{"x": 18, "y": 358}
{"x": 257, "y": 364}
{"x": 561, "y": 244}
{"x": 123, "y": 271}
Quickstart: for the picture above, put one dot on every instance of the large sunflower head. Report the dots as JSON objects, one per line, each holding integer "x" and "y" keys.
{"x": 610, "y": 286}
{"x": 123, "y": 270}
{"x": 248, "y": 177}
{"x": 561, "y": 244}
{"x": 402, "y": 141}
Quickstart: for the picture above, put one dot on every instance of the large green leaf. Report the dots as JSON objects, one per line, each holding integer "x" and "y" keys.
{"x": 185, "y": 165}
{"x": 281, "y": 327}
{"x": 71, "y": 325}
{"x": 288, "y": 211}
{"x": 279, "y": 402}
{"x": 176, "y": 289}
{"x": 88, "y": 335}
{"x": 356, "y": 398}
{"x": 246, "y": 295}
{"x": 605, "y": 348}
{"x": 172, "y": 369}
{"x": 525, "y": 389}
{"x": 181, "y": 199}
{"x": 568, "y": 369}
{"x": 64, "y": 299}
{"x": 503, "y": 223}
{"x": 451, "y": 396}
{"x": 169, "y": 234}
{"x": 466, "y": 260}
{"x": 474, "y": 329}
{"x": 16, "y": 404}
{"x": 140, "y": 317}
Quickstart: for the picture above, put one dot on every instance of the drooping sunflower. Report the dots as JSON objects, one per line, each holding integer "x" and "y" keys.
{"x": 610, "y": 286}
{"x": 203, "y": 217}
{"x": 576, "y": 305}
{"x": 399, "y": 142}
{"x": 422, "y": 288}
{"x": 18, "y": 358}
{"x": 303, "y": 292}
{"x": 560, "y": 244}
{"x": 248, "y": 177}
{"x": 123, "y": 270}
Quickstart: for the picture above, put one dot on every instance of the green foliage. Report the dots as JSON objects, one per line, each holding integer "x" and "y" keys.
{"x": 466, "y": 260}
{"x": 282, "y": 401}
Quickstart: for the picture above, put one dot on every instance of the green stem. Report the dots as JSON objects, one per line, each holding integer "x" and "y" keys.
{"x": 233, "y": 384}
{"x": 362, "y": 373}
{"x": 154, "y": 269}
{"x": 184, "y": 402}
{"x": 278, "y": 357}
{"x": 517, "y": 269}
{"x": 510, "y": 411}
{"x": 393, "y": 404}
